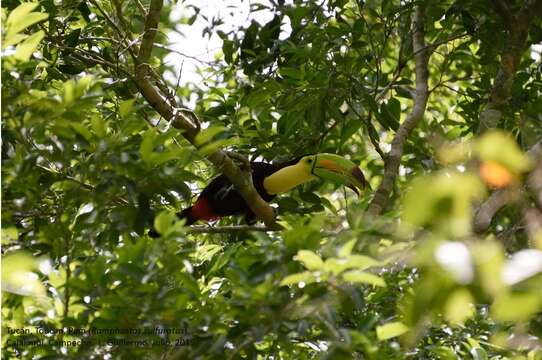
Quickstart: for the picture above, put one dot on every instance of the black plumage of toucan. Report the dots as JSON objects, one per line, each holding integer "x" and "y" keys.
{"x": 220, "y": 198}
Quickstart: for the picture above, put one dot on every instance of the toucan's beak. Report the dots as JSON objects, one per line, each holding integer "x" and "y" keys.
{"x": 358, "y": 175}
{"x": 339, "y": 170}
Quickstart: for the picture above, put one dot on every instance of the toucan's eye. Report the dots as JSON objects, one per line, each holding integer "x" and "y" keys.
{"x": 309, "y": 161}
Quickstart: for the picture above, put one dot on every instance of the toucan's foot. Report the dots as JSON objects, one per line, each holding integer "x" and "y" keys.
{"x": 250, "y": 218}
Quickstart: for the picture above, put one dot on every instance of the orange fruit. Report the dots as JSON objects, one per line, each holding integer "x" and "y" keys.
{"x": 495, "y": 174}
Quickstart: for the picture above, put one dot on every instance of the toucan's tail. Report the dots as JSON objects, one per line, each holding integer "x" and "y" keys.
{"x": 187, "y": 215}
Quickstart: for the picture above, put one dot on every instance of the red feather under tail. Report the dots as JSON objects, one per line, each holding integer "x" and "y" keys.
{"x": 199, "y": 211}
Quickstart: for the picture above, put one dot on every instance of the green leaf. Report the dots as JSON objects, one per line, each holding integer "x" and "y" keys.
{"x": 500, "y": 147}
{"x": 147, "y": 146}
{"x": 346, "y": 249}
{"x": 516, "y": 306}
{"x": 13, "y": 39}
{"x": 28, "y": 46}
{"x": 293, "y": 73}
{"x": 206, "y": 135}
{"x": 99, "y": 126}
{"x": 288, "y": 204}
{"x": 18, "y": 276}
{"x": 125, "y": 107}
{"x": 479, "y": 354}
{"x": 22, "y": 17}
{"x": 9, "y": 235}
{"x": 351, "y": 127}
{"x": 305, "y": 277}
{"x": 72, "y": 39}
{"x": 219, "y": 144}
{"x": 443, "y": 200}
{"x": 82, "y": 130}
{"x": 227, "y": 49}
{"x": 459, "y": 306}
{"x": 390, "y": 330}
{"x": 361, "y": 262}
{"x": 207, "y": 252}
{"x": 387, "y": 115}
{"x": 310, "y": 260}
{"x": 164, "y": 221}
{"x": 158, "y": 158}
{"x": 356, "y": 276}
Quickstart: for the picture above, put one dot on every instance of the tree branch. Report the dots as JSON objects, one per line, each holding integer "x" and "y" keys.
{"x": 518, "y": 27}
{"x": 502, "y": 8}
{"x": 393, "y": 159}
{"x": 181, "y": 119}
{"x": 226, "y": 229}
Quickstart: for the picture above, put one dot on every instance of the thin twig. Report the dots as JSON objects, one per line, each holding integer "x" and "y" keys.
{"x": 393, "y": 159}
{"x": 112, "y": 23}
{"x": 226, "y": 229}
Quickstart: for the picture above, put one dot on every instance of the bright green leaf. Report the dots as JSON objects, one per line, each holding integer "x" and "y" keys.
{"x": 346, "y": 249}
{"x": 18, "y": 276}
{"x": 305, "y": 277}
{"x": 125, "y": 107}
{"x": 356, "y": 276}
{"x": 310, "y": 260}
{"x": 390, "y": 330}
{"x": 206, "y": 135}
{"x": 500, "y": 147}
{"x": 22, "y": 17}
{"x": 459, "y": 306}
{"x": 516, "y": 306}
{"x": 28, "y": 46}
{"x": 164, "y": 221}
{"x": 147, "y": 146}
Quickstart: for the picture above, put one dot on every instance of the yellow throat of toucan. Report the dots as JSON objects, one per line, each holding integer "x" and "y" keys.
{"x": 329, "y": 167}
{"x": 288, "y": 178}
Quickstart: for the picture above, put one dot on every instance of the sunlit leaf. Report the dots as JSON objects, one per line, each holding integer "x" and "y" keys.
{"x": 390, "y": 330}
{"x": 26, "y": 48}
{"x": 206, "y": 135}
{"x": 22, "y": 17}
{"x": 516, "y": 306}
{"x": 216, "y": 145}
{"x": 496, "y": 146}
{"x": 489, "y": 259}
{"x": 356, "y": 276}
{"x": 346, "y": 249}
{"x": 125, "y": 107}
{"x": 147, "y": 145}
{"x": 164, "y": 221}
{"x": 305, "y": 277}
{"x": 18, "y": 275}
{"x": 443, "y": 200}
{"x": 9, "y": 234}
{"x": 459, "y": 306}
{"x": 309, "y": 259}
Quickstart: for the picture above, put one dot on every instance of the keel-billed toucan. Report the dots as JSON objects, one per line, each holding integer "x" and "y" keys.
{"x": 220, "y": 198}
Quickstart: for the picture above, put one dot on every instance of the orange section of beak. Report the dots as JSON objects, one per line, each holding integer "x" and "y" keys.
{"x": 330, "y": 165}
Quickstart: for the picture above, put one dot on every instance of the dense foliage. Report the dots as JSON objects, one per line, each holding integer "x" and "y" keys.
{"x": 88, "y": 165}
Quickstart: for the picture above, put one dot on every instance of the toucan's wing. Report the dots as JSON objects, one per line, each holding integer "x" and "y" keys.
{"x": 225, "y": 200}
